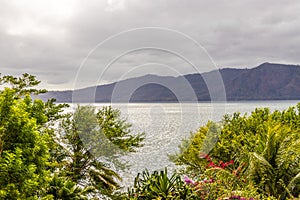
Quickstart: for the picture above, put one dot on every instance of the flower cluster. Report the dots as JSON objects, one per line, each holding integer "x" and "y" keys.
{"x": 215, "y": 180}
{"x": 211, "y": 164}
{"x": 189, "y": 181}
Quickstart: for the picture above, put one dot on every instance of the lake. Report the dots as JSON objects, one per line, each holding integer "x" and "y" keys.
{"x": 166, "y": 124}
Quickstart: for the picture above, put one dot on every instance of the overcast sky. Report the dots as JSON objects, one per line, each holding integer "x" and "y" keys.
{"x": 72, "y": 43}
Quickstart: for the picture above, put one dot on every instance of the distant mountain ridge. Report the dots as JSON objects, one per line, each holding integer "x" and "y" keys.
{"x": 267, "y": 81}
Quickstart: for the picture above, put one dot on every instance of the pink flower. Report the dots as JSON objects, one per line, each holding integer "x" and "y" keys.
{"x": 188, "y": 181}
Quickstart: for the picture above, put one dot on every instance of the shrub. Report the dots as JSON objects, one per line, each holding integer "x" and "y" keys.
{"x": 267, "y": 143}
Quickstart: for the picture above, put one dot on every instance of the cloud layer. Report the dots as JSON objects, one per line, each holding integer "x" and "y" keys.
{"x": 52, "y": 39}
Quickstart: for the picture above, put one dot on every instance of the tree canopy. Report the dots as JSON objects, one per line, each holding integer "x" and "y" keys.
{"x": 46, "y": 154}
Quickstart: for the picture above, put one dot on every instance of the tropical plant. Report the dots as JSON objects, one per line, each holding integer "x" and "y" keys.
{"x": 159, "y": 186}
{"x": 60, "y": 188}
{"x": 275, "y": 163}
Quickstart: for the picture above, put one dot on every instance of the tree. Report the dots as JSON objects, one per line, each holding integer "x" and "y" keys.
{"x": 22, "y": 86}
{"x": 23, "y": 150}
{"x": 117, "y": 130}
{"x": 84, "y": 140}
{"x": 26, "y": 162}
{"x": 37, "y": 161}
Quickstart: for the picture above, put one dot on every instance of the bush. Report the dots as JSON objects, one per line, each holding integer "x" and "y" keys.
{"x": 266, "y": 143}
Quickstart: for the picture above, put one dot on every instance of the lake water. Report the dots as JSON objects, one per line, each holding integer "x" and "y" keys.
{"x": 166, "y": 124}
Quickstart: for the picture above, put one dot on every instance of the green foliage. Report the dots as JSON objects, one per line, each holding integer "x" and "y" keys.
{"x": 117, "y": 130}
{"x": 81, "y": 165}
{"x": 268, "y": 143}
{"x": 39, "y": 160}
{"x": 159, "y": 186}
{"x": 23, "y": 150}
{"x": 79, "y": 159}
{"x": 86, "y": 145}
{"x": 223, "y": 180}
{"x": 275, "y": 164}
{"x": 60, "y": 188}
{"x": 22, "y": 85}
{"x": 27, "y": 145}
{"x": 191, "y": 150}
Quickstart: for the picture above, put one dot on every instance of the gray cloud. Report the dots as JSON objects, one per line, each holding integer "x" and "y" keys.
{"x": 51, "y": 40}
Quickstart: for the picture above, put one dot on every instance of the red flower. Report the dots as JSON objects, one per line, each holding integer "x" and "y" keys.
{"x": 222, "y": 165}
{"x": 211, "y": 164}
{"x": 206, "y": 156}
